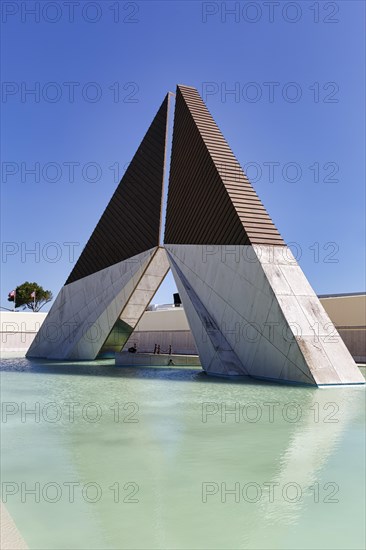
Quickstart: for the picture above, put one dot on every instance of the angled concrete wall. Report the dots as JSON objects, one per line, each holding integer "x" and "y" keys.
{"x": 254, "y": 306}
{"x": 86, "y": 310}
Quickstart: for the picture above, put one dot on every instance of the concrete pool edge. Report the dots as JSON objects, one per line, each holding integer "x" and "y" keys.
{"x": 11, "y": 538}
{"x": 126, "y": 359}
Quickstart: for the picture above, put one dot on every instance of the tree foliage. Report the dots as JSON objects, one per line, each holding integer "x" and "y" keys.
{"x": 24, "y": 296}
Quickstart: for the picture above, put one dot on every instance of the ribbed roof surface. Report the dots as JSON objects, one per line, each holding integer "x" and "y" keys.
{"x": 131, "y": 222}
{"x": 210, "y": 199}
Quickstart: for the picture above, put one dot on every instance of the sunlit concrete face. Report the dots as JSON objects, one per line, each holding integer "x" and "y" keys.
{"x": 85, "y": 311}
{"x": 252, "y": 312}
{"x": 134, "y": 308}
{"x": 80, "y": 322}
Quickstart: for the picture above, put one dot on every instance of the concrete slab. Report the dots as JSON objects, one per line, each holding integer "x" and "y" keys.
{"x": 127, "y": 359}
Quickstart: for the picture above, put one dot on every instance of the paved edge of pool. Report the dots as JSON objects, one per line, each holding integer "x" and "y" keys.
{"x": 11, "y": 539}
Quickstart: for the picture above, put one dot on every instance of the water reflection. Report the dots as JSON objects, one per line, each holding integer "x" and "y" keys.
{"x": 170, "y": 452}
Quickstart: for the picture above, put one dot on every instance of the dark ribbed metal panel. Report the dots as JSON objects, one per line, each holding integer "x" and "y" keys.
{"x": 131, "y": 222}
{"x": 210, "y": 199}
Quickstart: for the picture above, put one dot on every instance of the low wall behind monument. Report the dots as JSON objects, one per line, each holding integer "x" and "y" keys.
{"x": 18, "y": 329}
{"x": 169, "y": 327}
{"x": 164, "y": 328}
{"x": 348, "y": 313}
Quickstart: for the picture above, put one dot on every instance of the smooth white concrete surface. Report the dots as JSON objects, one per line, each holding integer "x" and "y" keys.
{"x": 163, "y": 320}
{"x": 146, "y": 288}
{"x": 86, "y": 310}
{"x": 270, "y": 321}
{"x": 215, "y": 351}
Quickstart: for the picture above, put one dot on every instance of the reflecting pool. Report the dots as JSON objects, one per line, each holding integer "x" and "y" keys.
{"x": 102, "y": 457}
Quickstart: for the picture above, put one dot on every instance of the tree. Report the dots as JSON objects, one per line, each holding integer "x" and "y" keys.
{"x": 30, "y": 295}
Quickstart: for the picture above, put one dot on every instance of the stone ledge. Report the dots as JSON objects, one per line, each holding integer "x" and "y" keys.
{"x": 156, "y": 360}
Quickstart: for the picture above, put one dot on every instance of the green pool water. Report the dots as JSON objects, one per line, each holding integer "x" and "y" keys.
{"x": 154, "y": 459}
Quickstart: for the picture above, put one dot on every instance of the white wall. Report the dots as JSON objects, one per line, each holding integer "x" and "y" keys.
{"x": 165, "y": 319}
{"x": 18, "y": 329}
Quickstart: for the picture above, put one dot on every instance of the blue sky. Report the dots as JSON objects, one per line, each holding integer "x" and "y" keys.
{"x": 295, "y": 120}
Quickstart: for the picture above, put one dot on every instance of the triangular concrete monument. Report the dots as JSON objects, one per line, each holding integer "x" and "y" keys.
{"x": 251, "y": 309}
